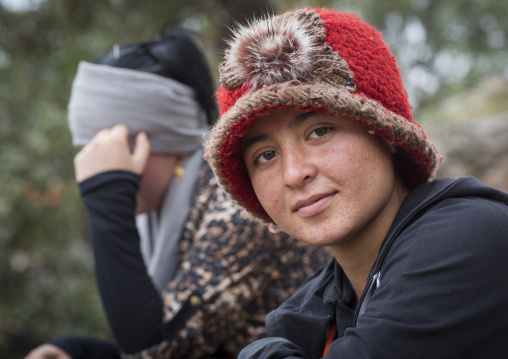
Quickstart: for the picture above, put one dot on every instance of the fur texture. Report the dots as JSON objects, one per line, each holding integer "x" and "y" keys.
{"x": 270, "y": 51}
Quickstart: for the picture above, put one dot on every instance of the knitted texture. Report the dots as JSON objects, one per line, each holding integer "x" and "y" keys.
{"x": 312, "y": 60}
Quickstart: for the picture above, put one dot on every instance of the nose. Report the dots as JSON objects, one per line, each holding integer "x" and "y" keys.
{"x": 298, "y": 169}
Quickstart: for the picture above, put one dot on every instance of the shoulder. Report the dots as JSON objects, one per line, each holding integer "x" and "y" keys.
{"x": 452, "y": 231}
{"x": 465, "y": 219}
{"x": 462, "y": 209}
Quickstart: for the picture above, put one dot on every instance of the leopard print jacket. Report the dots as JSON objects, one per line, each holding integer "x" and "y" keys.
{"x": 234, "y": 270}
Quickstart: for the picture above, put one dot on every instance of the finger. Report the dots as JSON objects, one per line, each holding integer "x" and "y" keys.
{"x": 141, "y": 151}
{"x": 102, "y": 133}
{"x": 120, "y": 130}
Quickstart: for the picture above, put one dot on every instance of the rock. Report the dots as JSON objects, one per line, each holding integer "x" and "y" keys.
{"x": 470, "y": 130}
{"x": 478, "y": 148}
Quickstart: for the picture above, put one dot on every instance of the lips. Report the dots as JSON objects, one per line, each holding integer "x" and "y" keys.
{"x": 314, "y": 204}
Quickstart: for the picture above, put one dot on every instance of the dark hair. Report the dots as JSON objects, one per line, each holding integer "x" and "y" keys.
{"x": 173, "y": 55}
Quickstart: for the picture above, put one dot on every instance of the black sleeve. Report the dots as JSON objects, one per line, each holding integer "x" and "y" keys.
{"x": 132, "y": 304}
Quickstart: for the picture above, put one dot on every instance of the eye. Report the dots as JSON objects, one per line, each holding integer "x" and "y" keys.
{"x": 319, "y": 132}
{"x": 264, "y": 157}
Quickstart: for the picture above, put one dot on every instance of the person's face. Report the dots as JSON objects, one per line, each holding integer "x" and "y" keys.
{"x": 322, "y": 179}
{"x": 155, "y": 181}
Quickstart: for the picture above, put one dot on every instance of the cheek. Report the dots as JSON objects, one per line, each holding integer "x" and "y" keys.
{"x": 340, "y": 163}
{"x": 268, "y": 194}
{"x": 372, "y": 170}
{"x": 155, "y": 181}
{"x": 358, "y": 164}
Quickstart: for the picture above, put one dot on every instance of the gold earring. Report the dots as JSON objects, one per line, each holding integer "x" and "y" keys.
{"x": 179, "y": 171}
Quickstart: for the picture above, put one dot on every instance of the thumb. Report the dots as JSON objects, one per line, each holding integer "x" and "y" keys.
{"x": 141, "y": 151}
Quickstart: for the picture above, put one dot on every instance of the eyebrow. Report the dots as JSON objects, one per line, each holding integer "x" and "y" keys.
{"x": 301, "y": 117}
{"x": 251, "y": 141}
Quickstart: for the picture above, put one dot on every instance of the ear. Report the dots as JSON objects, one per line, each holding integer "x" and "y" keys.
{"x": 393, "y": 149}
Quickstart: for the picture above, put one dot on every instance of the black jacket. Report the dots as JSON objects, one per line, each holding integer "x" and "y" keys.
{"x": 438, "y": 289}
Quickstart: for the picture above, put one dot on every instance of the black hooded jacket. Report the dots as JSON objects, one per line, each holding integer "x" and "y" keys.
{"x": 438, "y": 289}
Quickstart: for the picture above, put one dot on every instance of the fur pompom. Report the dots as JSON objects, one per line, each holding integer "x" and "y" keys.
{"x": 271, "y": 51}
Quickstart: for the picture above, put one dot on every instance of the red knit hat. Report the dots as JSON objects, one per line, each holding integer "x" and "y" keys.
{"x": 312, "y": 60}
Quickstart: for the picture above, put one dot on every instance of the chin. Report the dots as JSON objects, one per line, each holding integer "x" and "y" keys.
{"x": 322, "y": 236}
{"x": 320, "y": 242}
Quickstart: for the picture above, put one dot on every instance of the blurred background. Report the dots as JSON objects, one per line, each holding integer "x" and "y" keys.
{"x": 453, "y": 55}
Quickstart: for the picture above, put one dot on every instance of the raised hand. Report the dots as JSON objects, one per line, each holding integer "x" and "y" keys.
{"x": 109, "y": 150}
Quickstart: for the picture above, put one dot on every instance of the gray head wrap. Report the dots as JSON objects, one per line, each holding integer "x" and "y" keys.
{"x": 103, "y": 96}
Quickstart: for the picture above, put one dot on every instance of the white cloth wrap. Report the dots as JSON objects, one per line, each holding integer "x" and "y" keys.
{"x": 103, "y": 96}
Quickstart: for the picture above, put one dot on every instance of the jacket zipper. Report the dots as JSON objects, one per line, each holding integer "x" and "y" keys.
{"x": 376, "y": 270}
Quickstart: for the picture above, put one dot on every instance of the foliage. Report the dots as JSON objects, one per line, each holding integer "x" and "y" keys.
{"x": 46, "y": 268}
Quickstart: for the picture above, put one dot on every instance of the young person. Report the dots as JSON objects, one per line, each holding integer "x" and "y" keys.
{"x": 191, "y": 276}
{"x": 316, "y": 136}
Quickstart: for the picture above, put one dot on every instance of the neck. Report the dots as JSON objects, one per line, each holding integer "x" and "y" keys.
{"x": 357, "y": 260}
{"x": 357, "y": 255}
